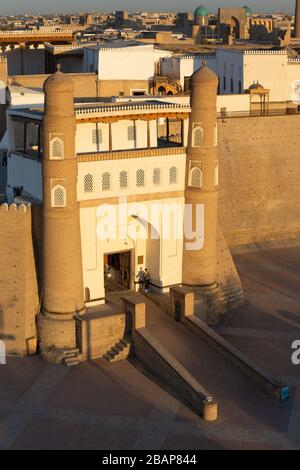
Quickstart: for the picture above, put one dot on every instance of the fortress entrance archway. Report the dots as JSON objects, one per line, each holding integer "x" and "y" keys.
{"x": 137, "y": 247}
{"x": 117, "y": 270}
{"x": 118, "y": 263}
{"x": 234, "y": 28}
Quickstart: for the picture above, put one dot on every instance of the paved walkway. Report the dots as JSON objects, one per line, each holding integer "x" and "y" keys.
{"x": 99, "y": 406}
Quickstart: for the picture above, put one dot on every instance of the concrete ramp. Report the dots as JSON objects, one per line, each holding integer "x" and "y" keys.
{"x": 182, "y": 308}
{"x": 268, "y": 382}
{"x": 164, "y": 366}
{"x": 148, "y": 350}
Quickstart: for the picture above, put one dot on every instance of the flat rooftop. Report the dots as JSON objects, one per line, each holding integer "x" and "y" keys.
{"x": 119, "y": 45}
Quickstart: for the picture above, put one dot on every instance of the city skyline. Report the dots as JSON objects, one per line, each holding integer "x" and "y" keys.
{"x": 64, "y": 6}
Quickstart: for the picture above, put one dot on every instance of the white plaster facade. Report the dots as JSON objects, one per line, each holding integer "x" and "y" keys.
{"x": 123, "y": 60}
{"x": 152, "y": 181}
{"x": 20, "y": 97}
{"x": 184, "y": 65}
{"x": 163, "y": 258}
{"x": 238, "y": 69}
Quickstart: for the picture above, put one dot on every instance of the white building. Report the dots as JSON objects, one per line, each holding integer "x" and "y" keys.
{"x": 238, "y": 69}
{"x": 118, "y": 156}
{"x": 19, "y": 96}
{"x": 121, "y": 60}
{"x": 182, "y": 66}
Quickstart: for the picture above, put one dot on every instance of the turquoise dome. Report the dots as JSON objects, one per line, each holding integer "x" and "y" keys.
{"x": 201, "y": 11}
{"x": 248, "y": 10}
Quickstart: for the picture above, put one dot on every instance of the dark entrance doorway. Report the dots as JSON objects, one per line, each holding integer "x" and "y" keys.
{"x": 235, "y": 28}
{"x": 117, "y": 270}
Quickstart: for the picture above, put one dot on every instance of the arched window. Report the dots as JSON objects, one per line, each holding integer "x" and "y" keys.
{"x": 173, "y": 175}
{"x": 106, "y": 182}
{"x": 156, "y": 177}
{"x": 123, "y": 179}
{"x": 198, "y": 135}
{"x": 58, "y": 196}
{"x": 140, "y": 178}
{"x": 161, "y": 90}
{"x": 56, "y": 148}
{"x": 88, "y": 183}
{"x": 195, "y": 177}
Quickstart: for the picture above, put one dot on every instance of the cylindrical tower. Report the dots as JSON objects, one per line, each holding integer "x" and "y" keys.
{"x": 199, "y": 262}
{"x": 201, "y": 16}
{"x": 62, "y": 277}
{"x": 297, "y": 20}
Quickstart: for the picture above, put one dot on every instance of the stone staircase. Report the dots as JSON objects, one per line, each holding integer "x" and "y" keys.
{"x": 119, "y": 352}
{"x": 71, "y": 357}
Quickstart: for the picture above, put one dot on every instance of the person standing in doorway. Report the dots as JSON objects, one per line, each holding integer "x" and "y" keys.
{"x": 141, "y": 277}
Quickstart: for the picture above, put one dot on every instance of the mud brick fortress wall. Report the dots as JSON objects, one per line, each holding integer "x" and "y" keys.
{"x": 86, "y": 85}
{"x": 18, "y": 284}
{"x": 259, "y": 182}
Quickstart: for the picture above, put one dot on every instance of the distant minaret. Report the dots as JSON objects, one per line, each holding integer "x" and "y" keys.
{"x": 297, "y": 19}
{"x": 199, "y": 267}
{"x": 62, "y": 277}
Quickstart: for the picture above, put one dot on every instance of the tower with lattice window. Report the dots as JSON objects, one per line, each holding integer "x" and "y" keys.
{"x": 201, "y": 193}
{"x": 62, "y": 275}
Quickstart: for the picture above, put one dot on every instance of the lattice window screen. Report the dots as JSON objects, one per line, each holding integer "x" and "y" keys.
{"x": 156, "y": 176}
{"x": 58, "y": 196}
{"x": 97, "y": 136}
{"x": 131, "y": 133}
{"x": 56, "y": 148}
{"x": 140, "y": 178}
{"x": 123, "y": 179}
{"x": 88, "y": 183}
{"x": 173, "y": 175}
{"x": 106, "y": 182}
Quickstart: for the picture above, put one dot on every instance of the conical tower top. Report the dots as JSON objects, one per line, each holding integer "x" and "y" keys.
{"x": 58, "y": 82}
{"x": 204, "y": 77}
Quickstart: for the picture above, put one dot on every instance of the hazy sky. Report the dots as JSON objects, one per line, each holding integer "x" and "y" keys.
{"x": 43, "y": 6}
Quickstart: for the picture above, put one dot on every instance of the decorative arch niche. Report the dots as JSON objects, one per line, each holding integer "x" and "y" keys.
{"x": 196, "y": 177}
{"x": 58, "y": 196}
{"x": 56, "y": 147}
{"x": 197, "y": 136}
